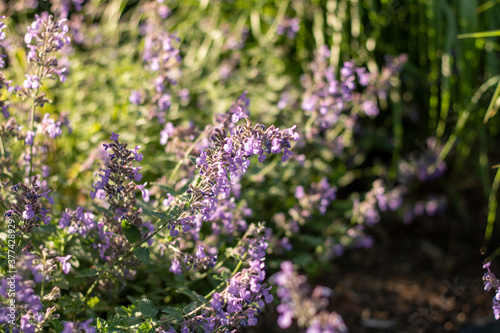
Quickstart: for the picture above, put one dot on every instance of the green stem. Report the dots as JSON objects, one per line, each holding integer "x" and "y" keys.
{"x": 309, "y": 123}
{"x": 2, "y": 147}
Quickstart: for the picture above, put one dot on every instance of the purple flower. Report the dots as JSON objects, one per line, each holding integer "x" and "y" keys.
{"x": 496, "y": 309}
{"x": 28, "y": 212}
{"x": 238, "y": 114}
{"x": 175, "y": 267}
{"x": 138, "y": 156}
{"x": 285, "y": 318}
{"x": 86, "y": 326}
{"x": 54, "y": 128}
{"x": 26, "y": 326}
{"x": 164, "y": 102}
{"x": 166, "y": 133}
{"x": 32, "y": 82}
{"x": 370, "y": 108}
{"x": 199, "y": 252}
{"x": 114, "y": 137}
{"x": 137, "y": 176}
{"x": 65, "y": 220}
{"x": 299, "y": 192}
{"x": 144, "y": 190}
{"x": 135, "y": 97}
{"x": 293, "y": 292}
{"x": 49, "y": 199}
{"x": 286, "y": 154}
{"x": 65, "y": 265}
{"x": 45, "y": 171}
{"x": 168, "y": 200}
{"x": 216, "y": 301}
{"x": 68, "y": 327}
{"x": 29, "y": 138}
{"x": 45, "y": 218}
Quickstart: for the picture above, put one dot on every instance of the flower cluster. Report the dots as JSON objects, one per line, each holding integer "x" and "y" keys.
{"x": 54, "y": 128}
{"x": 2, "y": 37}
{"x": 3, "y": 80}
{"x": 31, "y": 270}
{"x": 491, "y": 283}
{"x": 229, "y": 218}
{"x": 309, "y": 310}
{"x": 326, "y": 97}
{"x": 200, "y": 260}
{"x": 366, "y": 211}
{"x": 244, "y": 295}
{"x": 320, "y": 196}
{"x": 44, "y": 37}
{"x": 425, "y": 164}
{"x": 28, "y": 208}
{"x": 317, "y": 198}
{"x": 116, "y": 191}
{"x": 289, "y": 27}
{"x": 229, "y": 157}
{"x": 161, "y": 56}
{"x": 431, "y": 206}
{"x": 70, "y": 327}
{"x": 26, "y": 301}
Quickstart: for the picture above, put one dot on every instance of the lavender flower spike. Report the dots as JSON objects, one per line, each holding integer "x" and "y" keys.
{"x": 310, "y": 311}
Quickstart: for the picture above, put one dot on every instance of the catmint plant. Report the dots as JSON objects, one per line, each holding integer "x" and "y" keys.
{"x": 298, "y": 302}
{"x": 122, "y": 225}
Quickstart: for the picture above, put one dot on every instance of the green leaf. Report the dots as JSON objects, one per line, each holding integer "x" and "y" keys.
{"x": 121, "y": 311}
{"x": 101, "y": 323}
{"x": 482, "y": 34}
{"x": 493, "y": 107}
{"x": 5, "y": 176}
{"x": 145, "y": 328}
{"x": 132, "y": 320}
{"x": 131, "y": 232}
{"x": 90, "y": 272}
{"x": 226, "y": 274}
{"x": 191, "y": 306}
{"x": 147, "y": 308}
{"x": 142, "y": 254}
{"x": 200, "y": 298}
{"x": 56, "y": 324}
{"x": 191, "y": 294}
{"x": 161, "y": 216}
{"x": 63, "y": 284}
{"x": 175, "y": 312}
{"x": 174, "y": 211}
{"x": 115, "y": 320}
